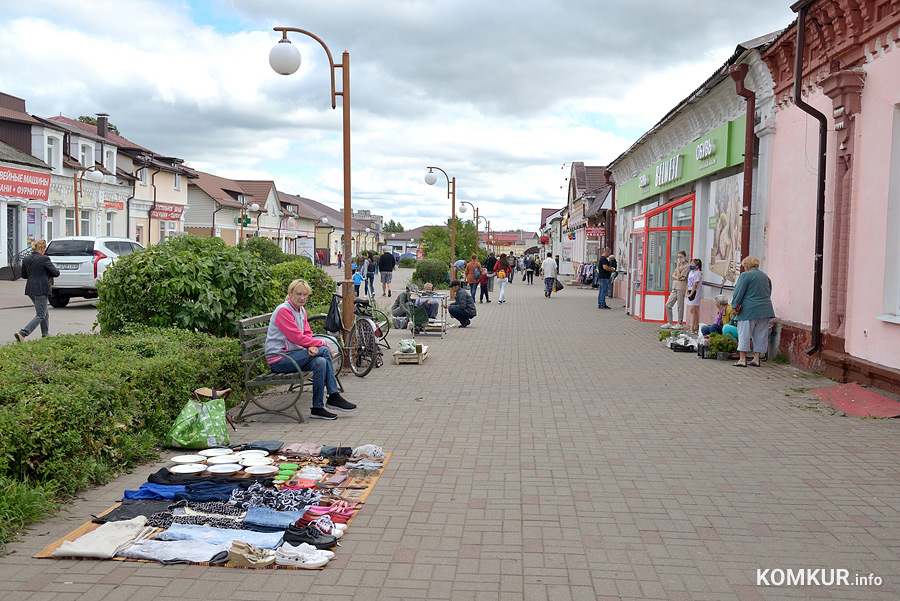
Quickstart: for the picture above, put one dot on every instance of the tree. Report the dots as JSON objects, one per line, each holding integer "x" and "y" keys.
{"x": 392, "y": 226}
{"x": 437, "y": 241}
{"x": 93, "y": 121}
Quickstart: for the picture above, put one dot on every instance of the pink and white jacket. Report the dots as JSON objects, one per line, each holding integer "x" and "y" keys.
{"x": 288, "y": 331}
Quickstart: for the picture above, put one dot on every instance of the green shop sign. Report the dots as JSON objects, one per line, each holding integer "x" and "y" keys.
{"x": 722, "y": 147}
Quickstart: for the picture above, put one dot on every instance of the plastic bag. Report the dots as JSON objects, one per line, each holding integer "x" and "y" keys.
{"x": 200, "y": 425}
{"x": 333, "y": 318}
{"x": 407, "y": 346}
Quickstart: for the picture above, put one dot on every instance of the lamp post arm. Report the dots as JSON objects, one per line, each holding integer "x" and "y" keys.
{"x": 334, "y": 93}
{"x": 448, "y": 180}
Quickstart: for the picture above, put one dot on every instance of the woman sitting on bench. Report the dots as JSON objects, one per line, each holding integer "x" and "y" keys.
{"x": 289, "y": 333}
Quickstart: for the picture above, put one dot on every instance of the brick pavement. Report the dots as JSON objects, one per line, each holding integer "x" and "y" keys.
{"x": 554, "y": 451}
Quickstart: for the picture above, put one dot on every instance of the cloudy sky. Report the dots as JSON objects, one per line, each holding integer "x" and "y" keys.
{"x": 498, "y": 94}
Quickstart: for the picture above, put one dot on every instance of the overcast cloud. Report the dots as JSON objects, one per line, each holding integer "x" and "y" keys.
{"x": 498, "y": 94}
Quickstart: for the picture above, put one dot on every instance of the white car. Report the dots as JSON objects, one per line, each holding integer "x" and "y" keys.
{"x": 81, "y": 261}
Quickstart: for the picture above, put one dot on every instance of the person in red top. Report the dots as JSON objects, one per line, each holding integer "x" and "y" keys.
{"x": 485, "y": 282}
{"x": 291, "y": 346}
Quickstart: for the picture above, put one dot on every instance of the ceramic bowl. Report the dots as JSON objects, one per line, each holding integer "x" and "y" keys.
{"x": 253, "y": 453}
{"x": 215, "y": 452}
{"x": 261, "y": 470}
{"x": 224, "y": 468}
{"x": 188, "y": 459}
{"x": 187, "y": 468}
{"x": 251, "y": 461}
{"x": 222, "y": 459}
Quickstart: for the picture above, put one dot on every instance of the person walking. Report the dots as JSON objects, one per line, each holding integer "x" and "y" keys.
{"x": 521, "y": 266}
{"x": 386, "y": 264}
{"x": 693, "y": 296}
{"x": 603, "y": 273}
{"x": 369, "y": 270}
{"x": 484, "y": 282}
{"x": 39, "y": 270}
{"x": 504, "y": 271}
{"x": 512, "y": 267}
{"x": 677, "y": 291}
{"x": 548, "y": 271}
{"x": 752, "y": 306}
{"x": 530, "y": 267}
{"x": 473, "y": 274}
{"x": 463, "y": 305}
{"x": 340, "y": 259}
{"x": 612, "y": 274}
{"x": 490, "y": 266}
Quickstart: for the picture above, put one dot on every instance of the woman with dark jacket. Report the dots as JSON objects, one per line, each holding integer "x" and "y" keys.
{"x": 37, "y": 269}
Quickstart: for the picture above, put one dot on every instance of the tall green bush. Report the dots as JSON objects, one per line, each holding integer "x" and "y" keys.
{"x": 431, "y": 270}
{"x": 322, "y": 284}
{"x": 408, "y": 262}
{"x": 265, "y": 250}
{"x": 187, "y": 282}
{"x": 77, "y": 410}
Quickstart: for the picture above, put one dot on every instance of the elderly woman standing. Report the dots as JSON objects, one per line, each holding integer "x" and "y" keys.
{"x": 752, "y": 302}
{"x": 290, "y": 346}
{"x": 38, "y": 269}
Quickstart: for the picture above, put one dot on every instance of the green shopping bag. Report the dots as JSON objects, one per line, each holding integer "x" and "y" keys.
{"x": 200, "y": 425}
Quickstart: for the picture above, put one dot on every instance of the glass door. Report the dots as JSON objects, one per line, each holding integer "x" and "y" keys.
{"x": 637, "y": 275}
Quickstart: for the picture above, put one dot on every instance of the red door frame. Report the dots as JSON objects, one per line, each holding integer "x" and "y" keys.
{"x": 647, "y": 230}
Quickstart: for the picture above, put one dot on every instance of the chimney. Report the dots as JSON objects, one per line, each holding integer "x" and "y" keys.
{"x": 103, "y": 125}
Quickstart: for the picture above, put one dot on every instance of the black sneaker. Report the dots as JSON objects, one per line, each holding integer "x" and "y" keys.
{"x": 389, "y": 292}
{"x": 321, "y": 413}
{"x": 309, "y": 535}
{"x": 339, "y": 403}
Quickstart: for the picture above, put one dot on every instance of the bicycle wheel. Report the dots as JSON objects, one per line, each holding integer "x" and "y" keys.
{"x": 362, "y": 346}
{"x": 382, "y": 321}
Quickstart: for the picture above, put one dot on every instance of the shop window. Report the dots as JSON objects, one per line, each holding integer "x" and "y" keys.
{"x": 656, "y": 261}
{"x": 166, "y": 229}
{"x": 70, "y": 222}
{"x": 660, "y": 220}
{"x": 139, "y": 234}
{"x": 680, "y": 240}
{"x": 682, "y": 215}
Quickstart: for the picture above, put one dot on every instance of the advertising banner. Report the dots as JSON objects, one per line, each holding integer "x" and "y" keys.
{"x": 167, "y": 212}
{"x": 724, "y": 264}
{"x": 19, "y": 183}
{"x": 116, "y": 205}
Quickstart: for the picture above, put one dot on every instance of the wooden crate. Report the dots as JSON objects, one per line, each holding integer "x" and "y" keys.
{"x": 417, "y": 358}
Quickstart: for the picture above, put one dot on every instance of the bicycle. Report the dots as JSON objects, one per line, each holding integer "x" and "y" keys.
{"x": 365, "y": 338}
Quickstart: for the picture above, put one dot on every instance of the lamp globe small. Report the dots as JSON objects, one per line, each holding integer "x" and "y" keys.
{"x": 430, "y": 178}
{"x": 284, "y": 58}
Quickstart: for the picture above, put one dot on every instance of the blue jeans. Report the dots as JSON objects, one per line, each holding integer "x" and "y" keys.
{"x": 711, "y": 329}
{"x": 548, "y": 285}
{"x": 601, "y": 294}
{"x": 321, "y": 367}
{"x": 457, "y": 312}
{"x": 370, "y": 283}
{"x": 41, "y": 317}
{"x": 473, "y": 289}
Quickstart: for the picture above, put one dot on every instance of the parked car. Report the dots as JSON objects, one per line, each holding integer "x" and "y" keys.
{"x": 81, "y": 261}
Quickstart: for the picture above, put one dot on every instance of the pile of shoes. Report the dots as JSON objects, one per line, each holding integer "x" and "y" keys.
{"x": 245, "y": 555}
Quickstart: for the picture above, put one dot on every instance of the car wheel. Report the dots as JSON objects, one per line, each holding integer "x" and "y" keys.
{"x": 59, "y": 300}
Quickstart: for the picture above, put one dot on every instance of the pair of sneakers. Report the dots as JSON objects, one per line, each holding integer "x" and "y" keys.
{"x": 326, "y": 526}
{"x": 302, "y": 555}
{"x": 246, "y": 555}
{"x": 334, "y": 402}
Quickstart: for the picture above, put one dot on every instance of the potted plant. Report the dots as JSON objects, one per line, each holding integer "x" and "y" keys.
{"x": 721, "y": 345}
{"x": 664, "y": 335}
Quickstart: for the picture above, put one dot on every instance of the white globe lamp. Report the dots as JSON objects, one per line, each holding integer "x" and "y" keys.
{"x": 430, "y": 178}
{"x": 284, "y": 58}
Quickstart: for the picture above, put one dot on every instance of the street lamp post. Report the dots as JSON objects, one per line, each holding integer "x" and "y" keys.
{"x": 462, "y": 209}
{"x": 285, "y": 59}
{"x": 245, "y": 206}
{"x": 430, "y": 179}
{"x": 93, "y": 174}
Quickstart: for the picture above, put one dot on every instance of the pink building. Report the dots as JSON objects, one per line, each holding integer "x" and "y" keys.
{"x": 850, "y": 74}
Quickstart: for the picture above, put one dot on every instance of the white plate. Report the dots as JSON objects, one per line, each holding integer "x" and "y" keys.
{"x": 252, "y": 453}
{"x": 189, "y": 459}
{"x": 251, "y": 461}
{"x": 187, "y": 468}
{"x": 261, "y": 470}
{"x": 224, "y": 468}
{"x": 222, "y": 459}
{"x": 214, "y": 452}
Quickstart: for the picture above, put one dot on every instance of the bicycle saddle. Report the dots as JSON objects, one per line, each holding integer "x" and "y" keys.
{"x": 360, "y": 301}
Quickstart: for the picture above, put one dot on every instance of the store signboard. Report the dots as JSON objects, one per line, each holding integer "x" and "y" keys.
{"x": 596, "y": 232}
{"x": 116, "y": 205}
{"x": 721, "y": 148}
{"x": 19, "y": 183}
{"x": 167, "y": 212}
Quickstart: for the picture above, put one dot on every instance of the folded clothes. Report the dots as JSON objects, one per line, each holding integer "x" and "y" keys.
{"x": 176, "y": 551}
{"x": 369, "y": 450}
{"x": 164, "y": 476}
{"x": 260, "y": 516}
{"x": 149, "y": 490}
{"x": 281, "y": 500}
{"x": 131, "y": 508}
{"x": 202, "y": 492}
{"x": 103, "y": 542}
{"x": 264, "y": 540}
{"x": 301, "y": 449}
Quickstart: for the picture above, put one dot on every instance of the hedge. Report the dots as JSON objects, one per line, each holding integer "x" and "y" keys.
{"x": 77, "y": 410}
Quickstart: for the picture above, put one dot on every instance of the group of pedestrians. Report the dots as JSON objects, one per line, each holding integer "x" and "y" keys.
{"x": 385, "y": 264}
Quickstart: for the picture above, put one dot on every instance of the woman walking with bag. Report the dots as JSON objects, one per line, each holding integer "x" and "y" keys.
{"x": 38, "y": 270}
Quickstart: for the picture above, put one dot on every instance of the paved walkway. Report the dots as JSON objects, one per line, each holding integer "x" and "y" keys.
{"x": 554, "y": 451}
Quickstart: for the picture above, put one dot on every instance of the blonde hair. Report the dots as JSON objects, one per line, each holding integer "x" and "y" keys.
{"x": 750, "y": 262}
{"x": 302, "y": 285}
{"x": 39, "y": 245}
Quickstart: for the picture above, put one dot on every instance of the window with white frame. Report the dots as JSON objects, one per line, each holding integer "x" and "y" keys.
{"x": 110, "y": 161}
{"x": 110, "y": 221}
{"x": 167, "y": 229}
{"x": 48, "y": 230}
{"x": 891, "y": 293}
{"x": 178, "y": 181}
{"x": 139, "y": 233}
{"x": 85, "y": 223}
{"x": 143, "y": 176}
{"x": 53, "y": 156}
{"x": 70, "y": 222}
{"x": 86, "y": 155}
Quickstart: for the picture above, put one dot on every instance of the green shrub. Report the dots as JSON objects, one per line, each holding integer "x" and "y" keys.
{"x": 431, "y": 270}
{"x": 265, "y": 250}
{"x": 722, "y": 343}
{"x": 187, "y": 282}
{"x": 664, "y": 335}
{"x": 76, "y": 410}
{"x": 322, "y": 284}
{"x": 408, "y": 262}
